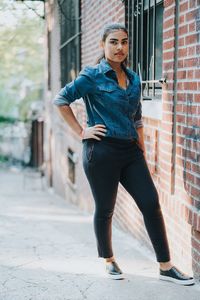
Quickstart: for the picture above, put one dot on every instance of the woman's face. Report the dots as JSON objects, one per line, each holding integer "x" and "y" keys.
{"x": 116, "y": 46}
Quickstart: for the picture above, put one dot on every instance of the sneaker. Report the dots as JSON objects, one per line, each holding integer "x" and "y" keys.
{"x": 113, "y": 270}
{"x": 176, "y": 276}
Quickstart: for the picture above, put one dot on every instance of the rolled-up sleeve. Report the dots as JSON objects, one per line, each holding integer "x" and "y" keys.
{"x": 81, "y": 86}
{"x": 138, "y": 117}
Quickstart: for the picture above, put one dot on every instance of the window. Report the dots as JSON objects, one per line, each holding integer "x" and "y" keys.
{"x": 69, "y": 39}
{"x": 144, "y": 20}
{"x": 71, "y": 165}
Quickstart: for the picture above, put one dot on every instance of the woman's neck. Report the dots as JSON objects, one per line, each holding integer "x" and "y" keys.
{"x": 116, "y": 66}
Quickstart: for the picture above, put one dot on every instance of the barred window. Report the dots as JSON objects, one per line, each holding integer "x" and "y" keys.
{"x": 71, "y": 166}
{"x": 70, "y": 39}
{"x": 144, "y": 20}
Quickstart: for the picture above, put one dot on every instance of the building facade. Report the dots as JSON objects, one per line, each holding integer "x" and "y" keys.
{"x": 165, "y": 51}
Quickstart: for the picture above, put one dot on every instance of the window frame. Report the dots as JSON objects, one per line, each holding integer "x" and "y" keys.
{"x": 134, "y": 22}
{"x": 70, "y": 34}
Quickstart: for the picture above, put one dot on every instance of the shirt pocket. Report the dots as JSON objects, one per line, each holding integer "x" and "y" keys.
{"x": 107, "y": 88}
{"x": 110, "y": 93}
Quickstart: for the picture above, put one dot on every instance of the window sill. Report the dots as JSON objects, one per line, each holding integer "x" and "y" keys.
{"x": 152, "y": 109}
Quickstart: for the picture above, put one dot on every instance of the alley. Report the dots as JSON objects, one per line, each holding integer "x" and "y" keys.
{"x": 48, "y": 252}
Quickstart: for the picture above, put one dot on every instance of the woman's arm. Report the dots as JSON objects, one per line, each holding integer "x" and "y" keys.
{"x": 76, "y": 89}
{"x": 81, "y": 86}
{"x": 68, "y": 115}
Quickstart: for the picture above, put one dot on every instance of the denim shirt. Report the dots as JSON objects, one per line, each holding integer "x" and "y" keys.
{"x": 106, "y": 102}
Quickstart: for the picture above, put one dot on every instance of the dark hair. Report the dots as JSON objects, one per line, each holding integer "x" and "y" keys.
{"x": 107, "y": 29}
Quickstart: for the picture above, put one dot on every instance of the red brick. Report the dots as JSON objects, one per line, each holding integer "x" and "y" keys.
{"x": 180, "y": 85}
{"x": 170, "y": 85}
{"x": 182, "y": 52}
{"x": 190, "y": 217}
{"x": 168, "y": 65}
{"x": 181, "y": 41}
{"x": 181, "y": 96}
{"x": 198, "y": 222}
{"x": 195, "y": 221}
{"x": 190, "y": 86}
{"x": 181, "y": 118}
{"x": 192, "y": 26}
{"x": 191, "y": 39}
{"x": 192, "y": 15}
{"x": 196, "y": 234}
{"x": 180, "y": 63}
{"x": 197, "y": 74}
{"x": 181, "y": 74}
{"x": 196, "y": 256}
{"x": 183, "y": 30}
{"x": 169, "y": 12}
{"x": 168, "y": 3}
{"x": 168, "y": 55}
{"x": 192, "y": 3}
{"x": 198, "y": 49}
{"x": 195, "y": 244}
{"x": 170, "y": 75}
{"x": 168, "y": 45}
{"x": 195, "y": 192}
{"x": 169, "y": 34}
{"x": 183, "y": 7}
{"x": 167, "y": 117}
{"x": 190, "y": 62}
{"x": 182, "y": 19}
{"x": 191, "y": 50}
{"x": 168, "y": 23}
{"x": 190, "y": 74}
{"x": 179, "y": 108}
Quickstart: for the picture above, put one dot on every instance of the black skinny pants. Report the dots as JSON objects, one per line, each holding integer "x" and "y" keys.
{"x": 108, "y": 162}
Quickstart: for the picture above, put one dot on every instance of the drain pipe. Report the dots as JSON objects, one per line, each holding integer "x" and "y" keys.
{"x": 175, "y": 98}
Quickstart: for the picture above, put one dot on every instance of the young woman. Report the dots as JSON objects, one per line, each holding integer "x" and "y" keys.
{"x": 113, "y": 148}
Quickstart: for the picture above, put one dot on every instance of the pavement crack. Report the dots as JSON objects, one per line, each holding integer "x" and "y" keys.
{"x": 83, "y": 292}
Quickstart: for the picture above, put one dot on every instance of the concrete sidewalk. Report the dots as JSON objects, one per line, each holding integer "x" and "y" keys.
{"x": 48, "y": 252}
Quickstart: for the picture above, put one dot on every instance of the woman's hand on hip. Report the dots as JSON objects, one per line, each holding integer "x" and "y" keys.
{"x": 93, "y": 132}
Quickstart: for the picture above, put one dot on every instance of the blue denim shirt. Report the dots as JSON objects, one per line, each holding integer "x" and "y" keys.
{"x": 106, "y": 102}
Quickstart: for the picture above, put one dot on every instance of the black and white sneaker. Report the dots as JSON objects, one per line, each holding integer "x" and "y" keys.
{"x": 176, "y": 276}
{"x": 113, "y": 270}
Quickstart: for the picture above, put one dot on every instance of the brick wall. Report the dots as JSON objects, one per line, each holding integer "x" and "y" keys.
{"x": 172, "y": 144}
{"x": 180, "y": 131}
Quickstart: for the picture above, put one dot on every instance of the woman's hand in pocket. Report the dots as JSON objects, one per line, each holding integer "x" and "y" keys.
{"x": 93, "y": 132}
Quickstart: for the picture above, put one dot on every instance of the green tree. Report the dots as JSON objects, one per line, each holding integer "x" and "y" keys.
{"x": 22, "y": 58}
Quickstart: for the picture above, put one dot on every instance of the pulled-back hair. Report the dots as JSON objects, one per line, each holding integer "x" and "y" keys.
{"x": 107, "y": 29}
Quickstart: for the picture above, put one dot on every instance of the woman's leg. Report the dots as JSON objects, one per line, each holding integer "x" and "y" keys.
{"x": 103, "y": 177}
{"x": 137, "y": 180}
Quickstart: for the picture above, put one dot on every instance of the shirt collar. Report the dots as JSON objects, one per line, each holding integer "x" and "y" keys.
{"x": 106, "y": 67}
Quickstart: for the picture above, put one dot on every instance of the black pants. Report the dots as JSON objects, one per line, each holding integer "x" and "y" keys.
{"x": 108, "y": 162}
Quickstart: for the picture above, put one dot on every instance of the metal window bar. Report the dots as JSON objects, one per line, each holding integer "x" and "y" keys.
{"x": 132, "y": 33}
{"x": 154, "y": 44}
{"x": 70, "y": 33}
{"x": 69, "y": 40}
{"x": 137, "y": 34}
{"x": 140, "y": 15}
{"x": 141, "y": 33}
{"x": 148, "y": 45}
